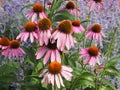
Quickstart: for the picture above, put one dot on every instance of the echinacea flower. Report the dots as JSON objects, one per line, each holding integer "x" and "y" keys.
{"x": 37, "y": 9}
{"x": 70, "y": 7}
{"x": 77, "y": 27}
{"x": 95, "y": 32}
{"x": 94, "y": 3}
{"x": 29, "y": 30}
{"x": 51, "y": 51}
{"x": 54, "y": 73}
{"x": 92, "y": 55}
{"x": 13, "y": 50}
{"x": 4, "y": 42}
{"x": 44, "y": 30}
{"x": 63, "y": 35}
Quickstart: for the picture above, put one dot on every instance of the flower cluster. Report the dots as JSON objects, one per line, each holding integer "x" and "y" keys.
{"x": 55, "y": 40}
{"x": 11, "y": 48}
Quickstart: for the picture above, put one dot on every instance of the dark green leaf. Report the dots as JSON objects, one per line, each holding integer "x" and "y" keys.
{"x": 30, "y": 53}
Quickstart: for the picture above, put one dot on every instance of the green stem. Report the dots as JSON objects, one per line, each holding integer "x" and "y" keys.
{"x": 84, "y": 41}
{"x": 109, "y": 51}
{"x": 77, "y": 10}
{"x": 44, "y": 3}
{"x": 52, "y": 9}
{"x": 111, "y": 44}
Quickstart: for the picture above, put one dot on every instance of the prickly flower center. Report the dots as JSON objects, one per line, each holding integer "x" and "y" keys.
{"x": 38, "y": 8}
{"x": 52, "y": 45}
{"x": 4, "y": 41}
{"x": 96, "y": 28}
{"x": 14, "y": 44}
{"x": 76, "y": 23}
{"x": 98, "y": 1}
{"x": 70, "y": 5}
{"x": 65, "y": 26}
{"x": 44, "y": 24}
{"x": 93, "y": 51}
{"x": 30, "y": 26}
{"x": 54, "y": 67}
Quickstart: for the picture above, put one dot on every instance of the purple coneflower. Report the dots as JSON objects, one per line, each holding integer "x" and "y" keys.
{"x": 13, "y": 50}
{"x": 93, "y": 3}
{"x": 70, "y": 7}
{"x": 54, "y": 73}
{"x": 30, "y": 30}
{"x": 37, "y": 9}
{"x": 77, "y": 27}
{"x": 51, "y": 51}
{"x": 4, "y": 42}
{"x": 63, "y": 35}
{"x": 44, "y": 32}
{"x": 95, "y": 32}
{"x": 92, "y": 55}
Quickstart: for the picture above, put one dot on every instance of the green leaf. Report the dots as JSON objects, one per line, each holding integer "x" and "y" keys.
{"x": 39, "y": 66}
{"x": 86, "y": 79}
{"x": 30, "y": 53}
{"x": 113, "y": 61}
{"x": 62, "y": 15}
{"x": 57, "y": 4}
{"x": 108, "y": 84}
{"x": 104, "y": 88}
{"x": 65, "y": 13}
{"x": 88, "y": 76}
{"x": 86, "y": 83}
{"x": 8, "y": 68}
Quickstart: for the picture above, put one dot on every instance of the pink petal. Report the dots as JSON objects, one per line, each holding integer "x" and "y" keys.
{"x": 87, "y": 60}
{"x": 47, "y": 56}
{"x": 92, "y": 61}
{"x": 68, "y": 69}
{"x": 61, "y": 81}
{"x": 31, "y": 38}
{"x": 60, "y": 41}
{"x": 43, "y": 72}
{"x": 45, "y": 37}
{"x": 67, "y": 73}
{"x": 92, "y": 6}
{"x": 26, "y": 36}
{"x": 34, "y": 17}
{"x": 63, "y": 42}
{"x": 52, "y": 80}
{"x": 40, "y": 52}
{"x": 35, "y": 35}
{"x": 57, "y": 81}
{"x": 52, "y": 55}
{"x": 58, "y": 58}
{"x": 67, "y": 77}
{"x": 68, "y": 45}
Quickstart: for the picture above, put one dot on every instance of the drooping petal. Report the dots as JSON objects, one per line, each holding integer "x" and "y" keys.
{"x": 58, "y": 58}
{"x": 52, "y": 55}
{"x": 40, "y": 52}
{"x": 92, "y": 6}
{"x": 47, "y": 56}
{"x": 87, "y": 60}
{"x": 61, "y": 81}
{"x": 68, "y": 69}
{"x": 67, "y": 77}
{"x": 57, "y": 81}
